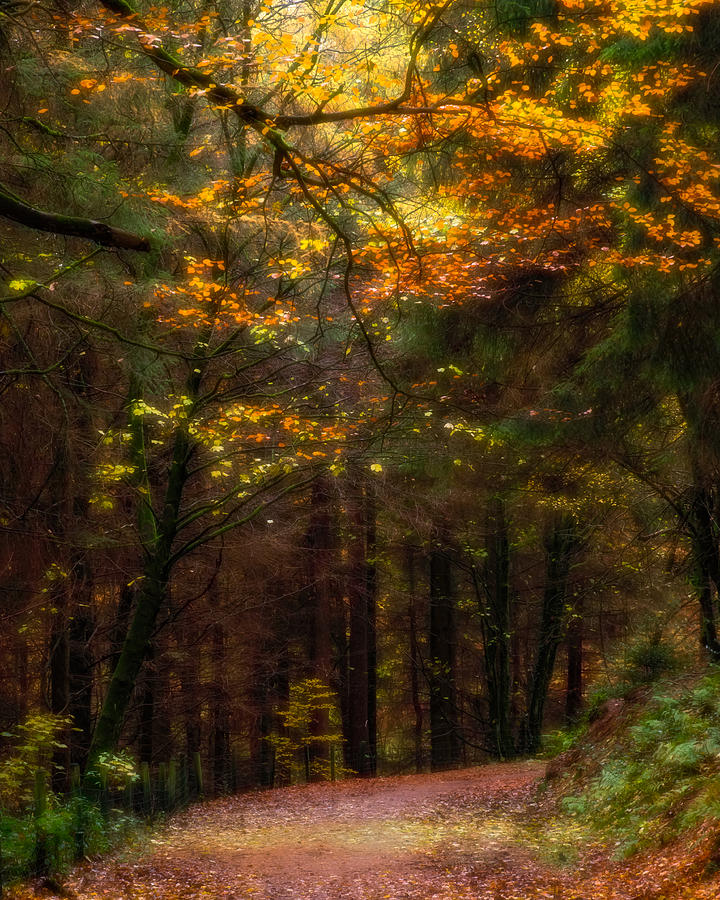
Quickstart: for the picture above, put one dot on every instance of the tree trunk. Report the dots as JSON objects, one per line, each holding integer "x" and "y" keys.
{"x": 150, "y": 598}
{"x": 358, "y": 743}
{"x": 560, "y": 545}
{"x": 220, "y": 714}
{"x": 496, "y": 629}
{"x": 371, "y": 581}
{"x": 189, "y": 654}
{"x": 707, "y": 567}
{"x": 280, "y": 691}
{"x": 444, "y": 736}
{"x": 260, "y": 757}
{"x": 574, "y": 690}
{"x": 415, "y": 659}
{"x": 702, "y": 520}
{"x": 320, "y": 544}
{"x": 71, "y": 664}
{"x": 146, "y": 744}
{"x": 60, "y": 685}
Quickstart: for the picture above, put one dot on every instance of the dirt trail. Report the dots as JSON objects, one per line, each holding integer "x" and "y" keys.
{"x": 454, "y": 836}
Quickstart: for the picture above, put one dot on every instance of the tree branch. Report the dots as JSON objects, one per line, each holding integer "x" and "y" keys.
{"x": 74, "y": 226}
{"x": 226, "y": 96}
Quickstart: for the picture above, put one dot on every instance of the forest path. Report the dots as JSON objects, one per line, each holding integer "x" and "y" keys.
{"x": 474, "y": 833}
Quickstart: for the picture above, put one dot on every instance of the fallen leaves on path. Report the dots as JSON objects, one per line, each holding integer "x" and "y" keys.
{"x": 478, "y": 834}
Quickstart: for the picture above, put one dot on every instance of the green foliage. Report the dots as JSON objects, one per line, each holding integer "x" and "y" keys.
{"x": 66, "y": 828}
{"x": 310, "y": 701}
{"x": 597, "y": 697}
{"x": 116, "y": 770}
{"x": 34, "y": 743}
{"x": 634, "y": 53}
{"x": 651, "y": 659}
{"x": 663, "y": 776}
{"x": 556, "y": 742}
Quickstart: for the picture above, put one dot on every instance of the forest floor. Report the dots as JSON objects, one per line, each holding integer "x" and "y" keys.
{"x": 483, "y": 833}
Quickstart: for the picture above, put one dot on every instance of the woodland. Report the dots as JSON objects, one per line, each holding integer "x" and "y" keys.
{"x": 359, "y": 394}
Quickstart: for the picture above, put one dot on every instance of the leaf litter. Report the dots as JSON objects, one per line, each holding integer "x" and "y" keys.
{"x": 475, "y": 834}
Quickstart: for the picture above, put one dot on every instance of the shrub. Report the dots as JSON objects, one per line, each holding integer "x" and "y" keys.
{"x": 651, "y": 659}
{"x": 35, "y": 742}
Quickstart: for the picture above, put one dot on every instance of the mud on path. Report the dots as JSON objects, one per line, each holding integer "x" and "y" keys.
{"x": 475, "y": 833}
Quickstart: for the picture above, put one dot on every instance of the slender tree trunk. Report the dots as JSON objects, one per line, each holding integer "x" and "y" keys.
{"x": 371, "y": 580}
{"x": 220, "y": 713}
{"x": 189, "y": 650}
{"x": 146, "y": 743}
{"x": 71, "y": 664}
{"x": 444, "y": 736}
{"x": 496, "y": 625}
{"x": 517, "y": 659}
{"x": 560, "y": 545}
{"x": 320, "y": 545}
{"x": 415, "y": 659}
{"x": 574, "y": 690}
{"x": 341, "y": 631}
{"x": 119, "y": 630}
{"x": 359, "y": 733}
{"x": 702, "y": 521}
{"x": 262, "y": 708}
{"x": 280, "y": 691}
{"x": 707, "y": 568}
{"x": 60, "y": 684}
{"x": 81, "y": 677}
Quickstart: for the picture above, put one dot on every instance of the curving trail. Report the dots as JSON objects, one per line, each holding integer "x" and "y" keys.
{"x": 475, "y": 834}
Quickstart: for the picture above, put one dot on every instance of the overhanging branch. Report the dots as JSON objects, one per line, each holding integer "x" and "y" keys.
{"x": 73, "y": 226}
{"x": 228, "y": 97}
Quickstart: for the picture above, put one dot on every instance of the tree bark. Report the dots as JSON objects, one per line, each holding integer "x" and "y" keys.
{"x": 358, "y": 738}
{"x": 707, "y": 567}
{"x": 574, "y": 689}
{"x": 444, "y": 736}
{"x": 320, "y": 545}
{"x": 415, "y": 659}
{"x": 496, "y": 628}
{"x": 220, "y": 714}
{"x": 15, "y": 209}
{"x": 146, "y": 743}
{"x": 150, "y": 598}
{"x": 371, "y": 580}
{"x": 560, "y": 545}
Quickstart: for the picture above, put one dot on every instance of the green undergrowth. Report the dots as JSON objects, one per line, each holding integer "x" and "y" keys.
{"x": 658, "y": 771}
{"x": 42, "y": 831}
{"x": 53, "y": 841}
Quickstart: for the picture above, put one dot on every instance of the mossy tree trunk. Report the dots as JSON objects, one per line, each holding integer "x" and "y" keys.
{"x": 151, "y": 595}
